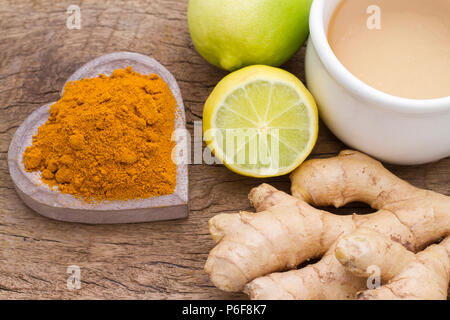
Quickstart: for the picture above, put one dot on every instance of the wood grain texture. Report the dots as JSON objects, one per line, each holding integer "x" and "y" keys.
{"x": 161, "y": 260}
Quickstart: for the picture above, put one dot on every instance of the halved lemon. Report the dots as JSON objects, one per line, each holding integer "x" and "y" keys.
{"x": 260, "y": 121}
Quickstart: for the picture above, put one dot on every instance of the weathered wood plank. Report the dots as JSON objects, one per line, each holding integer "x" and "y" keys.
{"x": 144, "y": 261}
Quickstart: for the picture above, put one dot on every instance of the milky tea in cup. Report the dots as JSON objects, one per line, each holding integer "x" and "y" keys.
{"x": 400, "y": 47}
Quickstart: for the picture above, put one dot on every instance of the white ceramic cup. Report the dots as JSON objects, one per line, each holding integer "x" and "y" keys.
{"x": 392, "y": 129}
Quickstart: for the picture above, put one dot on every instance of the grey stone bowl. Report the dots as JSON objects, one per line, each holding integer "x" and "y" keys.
{"x": 53, "y": 204}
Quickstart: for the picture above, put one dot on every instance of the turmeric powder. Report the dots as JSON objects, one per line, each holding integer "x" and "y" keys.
{"x": 108, "y": 138}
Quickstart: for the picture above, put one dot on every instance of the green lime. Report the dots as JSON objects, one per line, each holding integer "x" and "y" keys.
{"x": 260, "y": 121}
{"x": 231, "y": 34}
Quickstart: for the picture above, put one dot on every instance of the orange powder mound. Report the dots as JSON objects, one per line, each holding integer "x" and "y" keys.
{"x": 108, "y": 138}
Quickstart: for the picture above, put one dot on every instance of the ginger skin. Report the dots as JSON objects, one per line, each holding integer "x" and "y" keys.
{"x": 424, "y": 275}
{"x": 353, "y": 176}
{"x": 279, "y": 238}
{"x": 363, "y": 248}
{"x": 324, "y": 280}
{"x": 286, "y": 231}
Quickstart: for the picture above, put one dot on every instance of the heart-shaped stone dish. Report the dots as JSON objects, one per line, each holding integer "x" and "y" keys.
{"x": 53, "y": 204}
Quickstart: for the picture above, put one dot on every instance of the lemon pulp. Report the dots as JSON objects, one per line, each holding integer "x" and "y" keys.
{"x": 260, "y": 121}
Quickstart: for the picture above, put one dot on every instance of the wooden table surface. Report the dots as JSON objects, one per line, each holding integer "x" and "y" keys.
{"x": 139, "y": 261}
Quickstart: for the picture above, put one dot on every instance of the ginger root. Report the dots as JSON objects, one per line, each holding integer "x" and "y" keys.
{"x": 279, "y": 238}
{"x": 353, "y": 176}
{"x": 363, "y": 248}
{"x": 286, "y": 231}
{"x": 424, "y": 275}
{"x": 324, "y": 280}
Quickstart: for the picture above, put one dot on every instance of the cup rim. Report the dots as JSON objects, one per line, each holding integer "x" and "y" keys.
{"x": 349, "y": 81}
